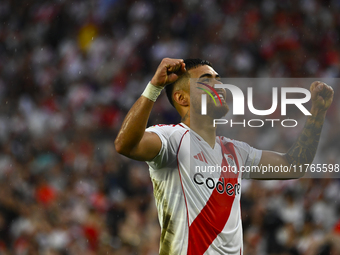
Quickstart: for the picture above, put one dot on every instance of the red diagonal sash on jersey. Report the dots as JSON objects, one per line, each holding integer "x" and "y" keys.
{"x": 215, "y": 214}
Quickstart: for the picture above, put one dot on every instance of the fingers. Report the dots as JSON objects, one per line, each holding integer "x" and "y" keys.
{"x": 316, "y": 84}
{"x": 322, "y": 87}
{"x": 319, "y": 88}
{"x": 173, "y": 65}
{"x": 178, "y": 69}
{"x": 322, "y": 96}
{"x": 326, "y": 92}
{"x": 172, "y": 61}
{"x": 172, "y": 77}
{"x": 183, "y": 69}
{"x": 174, "y": 68}
{"x": 166, "y": 68}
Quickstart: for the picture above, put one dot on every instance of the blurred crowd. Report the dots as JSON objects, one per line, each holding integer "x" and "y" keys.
{"x": 70, "y": 71}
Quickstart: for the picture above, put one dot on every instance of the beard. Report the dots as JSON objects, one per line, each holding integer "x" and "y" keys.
{"x": 219, "y": 111}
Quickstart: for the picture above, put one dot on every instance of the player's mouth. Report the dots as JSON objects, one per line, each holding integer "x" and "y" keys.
{"x": 222, "y": 95}
{"x": 219, "y": 94}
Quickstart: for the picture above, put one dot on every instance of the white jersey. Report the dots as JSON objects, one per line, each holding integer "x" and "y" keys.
{"x": 198, "y": 203}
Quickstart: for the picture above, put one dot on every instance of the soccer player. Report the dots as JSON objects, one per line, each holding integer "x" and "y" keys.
{"x": 199, "y": 213}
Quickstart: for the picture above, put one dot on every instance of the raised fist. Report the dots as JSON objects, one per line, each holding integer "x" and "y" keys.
{"x": 168, "y": 71}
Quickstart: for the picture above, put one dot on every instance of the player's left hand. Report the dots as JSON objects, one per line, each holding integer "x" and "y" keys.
{"x": 322, "y": 96}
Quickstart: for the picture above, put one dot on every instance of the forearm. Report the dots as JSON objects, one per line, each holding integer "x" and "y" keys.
{"x": 132, "y": 140}
{"x": 134, "y": 124}
{"x": 304, "y": 149}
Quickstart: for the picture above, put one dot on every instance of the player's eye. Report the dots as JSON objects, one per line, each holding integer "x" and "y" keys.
{"x": 205, "y": 80}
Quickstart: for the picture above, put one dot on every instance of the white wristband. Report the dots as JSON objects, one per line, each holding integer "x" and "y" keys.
{"x": 152, "y": 92}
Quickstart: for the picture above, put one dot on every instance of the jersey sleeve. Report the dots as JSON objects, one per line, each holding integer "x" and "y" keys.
{"x": 250, "y": 155}
{"x": 167, "y": 153}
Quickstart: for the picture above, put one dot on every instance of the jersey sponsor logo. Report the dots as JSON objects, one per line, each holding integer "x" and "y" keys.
{"x": 220, "y": 185}
{"x": 211, "y": 220}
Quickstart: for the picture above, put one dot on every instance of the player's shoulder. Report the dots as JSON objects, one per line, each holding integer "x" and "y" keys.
{"x": 165, "y": 125}
{"x": 224, "y": 139}
{"x": 168, "y": 129}
{"x": 236, "y": 143}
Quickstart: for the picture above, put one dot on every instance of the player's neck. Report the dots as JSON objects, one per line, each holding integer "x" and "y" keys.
{"x": 204, "y": 128}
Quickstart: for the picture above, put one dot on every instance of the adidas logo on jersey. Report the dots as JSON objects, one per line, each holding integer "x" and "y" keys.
{"x": 200, "y": 156}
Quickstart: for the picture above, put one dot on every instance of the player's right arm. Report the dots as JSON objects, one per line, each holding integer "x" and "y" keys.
{"x": 132, "y": 140}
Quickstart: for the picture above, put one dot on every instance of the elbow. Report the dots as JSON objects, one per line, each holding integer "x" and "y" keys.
{"x": 296, "y": 168}
{"x": 119, "y": 147}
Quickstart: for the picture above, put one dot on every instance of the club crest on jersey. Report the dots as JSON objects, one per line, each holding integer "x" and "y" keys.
{"x": 231, "y": 162}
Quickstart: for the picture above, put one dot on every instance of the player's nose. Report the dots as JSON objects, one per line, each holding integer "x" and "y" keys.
{"x": 218, "y": 82}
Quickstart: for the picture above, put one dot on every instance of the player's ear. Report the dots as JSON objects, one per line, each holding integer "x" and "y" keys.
{"x": 181, "y": 97}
